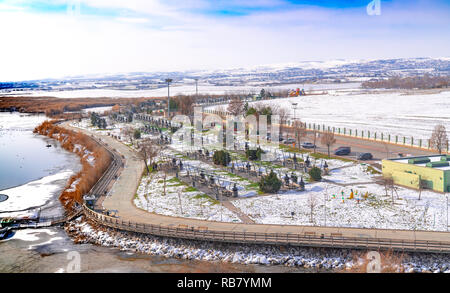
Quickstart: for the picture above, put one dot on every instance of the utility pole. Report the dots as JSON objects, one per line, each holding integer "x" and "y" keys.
{"x": 168, "y": 80}
{"x": 196, "y": 88}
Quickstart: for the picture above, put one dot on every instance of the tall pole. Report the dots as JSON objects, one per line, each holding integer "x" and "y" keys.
{"x": 196, "y": 88}
{"x": 168, "y": 80}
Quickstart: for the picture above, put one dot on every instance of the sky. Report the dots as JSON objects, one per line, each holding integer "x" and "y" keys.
{"x": 53, "y": 39}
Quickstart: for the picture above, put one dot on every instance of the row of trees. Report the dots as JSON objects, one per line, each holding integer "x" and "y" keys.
{"x": 415, "y": 82}
{"x": 98, "y": 121}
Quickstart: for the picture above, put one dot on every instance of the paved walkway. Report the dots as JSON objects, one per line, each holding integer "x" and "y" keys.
{"x": 243, "y": 217}
{"x": 122, "y": 194}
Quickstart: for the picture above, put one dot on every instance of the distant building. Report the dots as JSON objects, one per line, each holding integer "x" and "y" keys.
{"x": 433, "y": 171}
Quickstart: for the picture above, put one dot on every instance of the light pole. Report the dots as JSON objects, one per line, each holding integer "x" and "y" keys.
{"x": 294, "y": 106}
{"x": 168, "y": 80}
{"x": 196, "y": 88}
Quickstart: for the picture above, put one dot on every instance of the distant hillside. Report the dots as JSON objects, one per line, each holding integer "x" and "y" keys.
{"x": 268, "y": 75}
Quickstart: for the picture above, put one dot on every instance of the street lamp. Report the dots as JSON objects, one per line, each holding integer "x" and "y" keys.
{"x": 294, "y": 106}
{"x": 168, "y": 80}
{"x": 196, "y": 88}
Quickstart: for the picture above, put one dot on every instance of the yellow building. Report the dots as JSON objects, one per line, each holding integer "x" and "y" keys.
{"x": 432, "y": 171}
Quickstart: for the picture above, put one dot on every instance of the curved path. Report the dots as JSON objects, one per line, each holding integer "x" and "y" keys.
{"x": 121, "y": 198}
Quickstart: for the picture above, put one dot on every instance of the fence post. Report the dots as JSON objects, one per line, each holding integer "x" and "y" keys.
{"x": 412, "y": 141}
{"x": 362, "y": 133}
{"x": 344, "y": 130}
{"x": 420, "y": 143}
{"x": 404, "y": 140}
{"x": 396, "y": 139}
{"x": 356, "y": 132}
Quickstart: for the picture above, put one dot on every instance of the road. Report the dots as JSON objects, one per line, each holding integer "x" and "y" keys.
{"x": 121, "y": 197}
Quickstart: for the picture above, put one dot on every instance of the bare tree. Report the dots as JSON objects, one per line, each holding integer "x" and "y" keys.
{"x": 439, "y": 139}
{"x": 386, "y": 148}
{"x": 312, "y": 203}
{"x": 186, "y": 104}
{"x": 148, "y": 151}
{"x": 283, "y": 114}
{"x": 128, "y": 131}
{"x": 236, "y": 106}
{"x": 388, "y": 182}
{"x": 299, "y": 131}
{"x": 422, "y": 185}
{"x": 328, "y": 140}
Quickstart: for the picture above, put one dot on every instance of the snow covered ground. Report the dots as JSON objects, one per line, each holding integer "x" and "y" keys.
{"x": 334, "y": 208}
{"x": 308, "y": 258}
{"x": 32, "y": 194}
{"x": 180, "y": 200}
{"x": 391, "y": 113}
{"x": 186, "y": 88}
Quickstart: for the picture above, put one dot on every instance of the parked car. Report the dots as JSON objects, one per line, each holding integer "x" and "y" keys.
{"x": 308, "y": 145}
{"x": 343, "y": 151}
{"x": 365, "y": 156}
{"x": 289, "y": 141}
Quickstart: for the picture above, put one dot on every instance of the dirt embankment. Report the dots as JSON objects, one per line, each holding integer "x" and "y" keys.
{"x": 94, "y": 159}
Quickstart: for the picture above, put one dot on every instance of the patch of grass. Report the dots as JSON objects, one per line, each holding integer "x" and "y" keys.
{"x": 204, "y": 196}
{"x": 190, "y": 189}
{"x": 252, "y": 186}
{"x": 372, "y": 171}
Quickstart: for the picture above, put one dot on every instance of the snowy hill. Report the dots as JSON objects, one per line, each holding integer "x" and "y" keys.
{"x": 335, "y": 71}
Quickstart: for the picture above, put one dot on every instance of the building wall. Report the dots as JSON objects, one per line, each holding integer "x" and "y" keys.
{"x": 409, "y": 174}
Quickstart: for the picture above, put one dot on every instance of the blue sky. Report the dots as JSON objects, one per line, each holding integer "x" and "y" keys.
{"x": 45, "y": 39}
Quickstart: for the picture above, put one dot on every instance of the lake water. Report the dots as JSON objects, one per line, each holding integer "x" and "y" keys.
{"x": 24, "y": 156}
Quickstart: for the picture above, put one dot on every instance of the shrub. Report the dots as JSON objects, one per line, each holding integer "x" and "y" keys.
{"x": 137, "y": 134}
{"x": 254, "y": 155}
{"x": 270, "y": 183}
{"x": 315, "y": 173}
{"x": 221, "y": 158}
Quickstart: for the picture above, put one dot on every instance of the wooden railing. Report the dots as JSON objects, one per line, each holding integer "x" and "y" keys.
{"x": 202, "y": 233}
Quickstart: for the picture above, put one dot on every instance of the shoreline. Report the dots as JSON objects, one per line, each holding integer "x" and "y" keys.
{"x": 318, "y": 259}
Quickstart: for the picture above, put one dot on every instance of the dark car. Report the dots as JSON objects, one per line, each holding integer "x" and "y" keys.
{"x": 289, "y": 141}
{"x": 365, "y": 156}
{"x": 343, "y": 151}
{"x": 308, "y": 145}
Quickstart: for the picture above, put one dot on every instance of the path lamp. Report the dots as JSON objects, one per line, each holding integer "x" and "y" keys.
{"x": 168, "y": 80}
{"x": 294, "y": 106}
